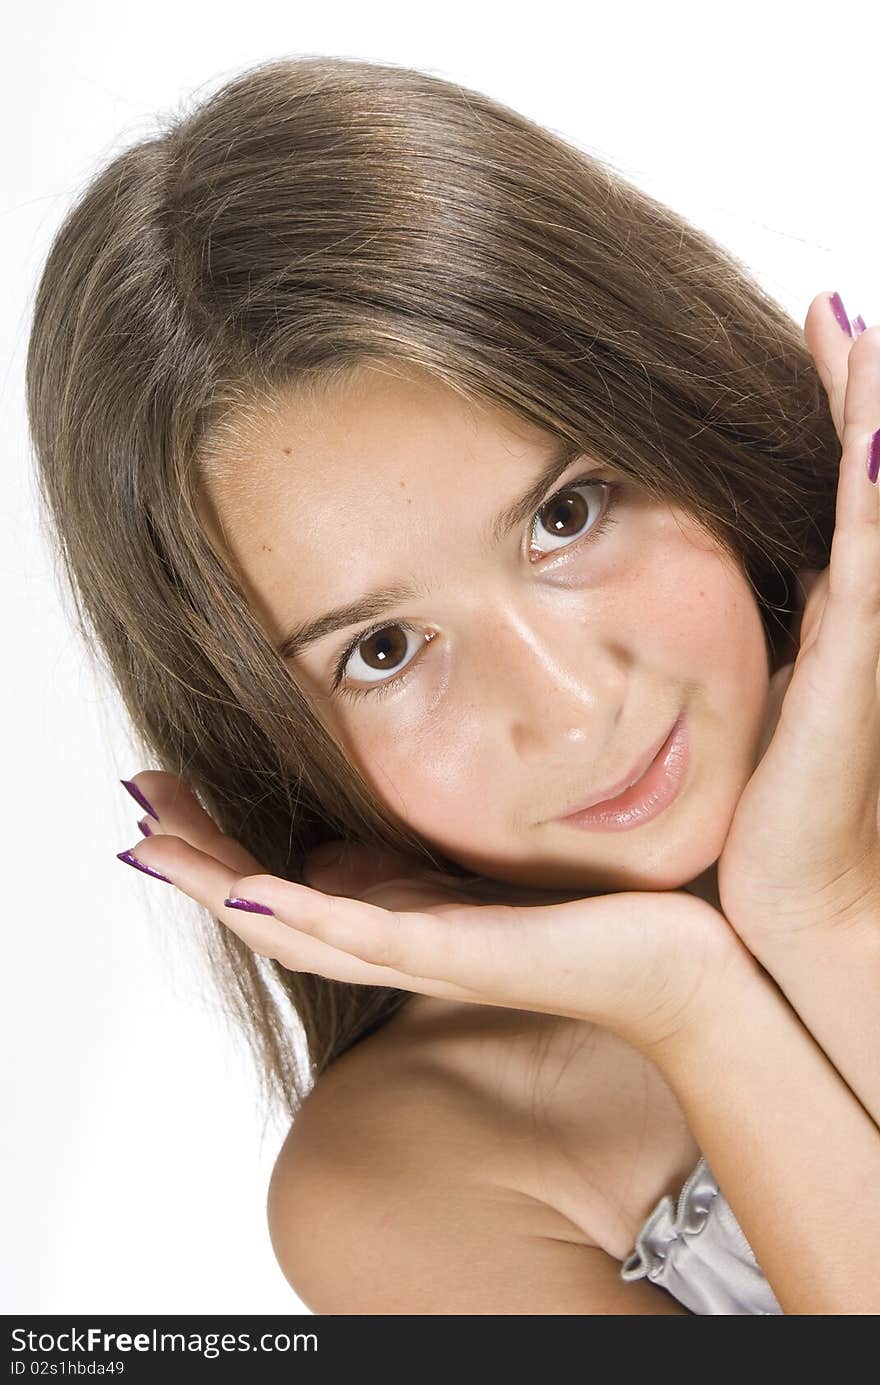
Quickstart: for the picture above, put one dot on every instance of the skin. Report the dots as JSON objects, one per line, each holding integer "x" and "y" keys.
{"x": 729, "y": 1094}
{"x": 549, "y": 676}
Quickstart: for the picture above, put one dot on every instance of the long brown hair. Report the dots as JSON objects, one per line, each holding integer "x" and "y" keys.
{"x": 312, "y": 215}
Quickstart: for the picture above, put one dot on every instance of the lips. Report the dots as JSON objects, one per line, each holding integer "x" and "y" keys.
{"x": 639, "y": 769}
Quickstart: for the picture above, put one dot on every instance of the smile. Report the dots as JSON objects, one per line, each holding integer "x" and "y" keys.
{"x": 654, "y": 790}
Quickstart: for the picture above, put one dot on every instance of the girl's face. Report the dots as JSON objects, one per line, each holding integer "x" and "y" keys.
{"x": 510, "y": 677}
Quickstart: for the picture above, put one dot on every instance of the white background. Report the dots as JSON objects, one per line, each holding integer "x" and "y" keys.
{"x": 134, "y": 1168}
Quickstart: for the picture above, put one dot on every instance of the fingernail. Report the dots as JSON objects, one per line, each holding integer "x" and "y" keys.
{"x": 840, "y": 313}
{"x": 858, "y": 325}
{"x": 131, "y": 860}
{"x": 138, "y": 797}
{"x": 874, "y": 457}
{"x": 145, "y": 828}
{"x": 249, "y": 904}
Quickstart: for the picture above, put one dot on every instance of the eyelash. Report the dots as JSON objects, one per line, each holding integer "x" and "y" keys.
{"x": 378, "y": 690}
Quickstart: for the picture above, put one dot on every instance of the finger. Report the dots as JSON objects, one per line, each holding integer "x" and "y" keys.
{"x": 180, "y": 814}
{"x": 808, "y": 578}
{"x": 400, "y": 881}
{"x": 350, "y": 868}
{"x": 208, "y": 882}
{"x": 485, "y": 952}
{"x": 492, "y": 954}
{"x": 813, "y": 608}
{"x": 862, "y": 401}
{"x": 849, "y": 635}
{"x": 454, "y": 943}
{"x": 830, "y": 345}
{"x": 805, "y": 583}
{"x": 775, "y": 697}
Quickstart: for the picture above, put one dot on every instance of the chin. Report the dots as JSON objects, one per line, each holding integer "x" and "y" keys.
{"x": 573, "y": 876}
{"x": 671, "y": 861}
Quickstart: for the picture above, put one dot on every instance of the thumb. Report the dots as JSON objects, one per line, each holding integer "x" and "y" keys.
{"x": 816, "y": 594}
{"x": 808, "y": 579}
{"x": 777, "y": 689}
{"x": 350, "y": 868}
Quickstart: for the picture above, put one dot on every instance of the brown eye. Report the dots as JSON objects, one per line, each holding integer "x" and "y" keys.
{"x": 569, "y": 512}
{"x": 379, "y": 653}
{"x": 383, "y": 650}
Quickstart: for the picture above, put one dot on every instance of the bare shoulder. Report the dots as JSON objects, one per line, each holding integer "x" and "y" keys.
{"x": 444, "y": 1166}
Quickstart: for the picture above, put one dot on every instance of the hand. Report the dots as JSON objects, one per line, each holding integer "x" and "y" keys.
{"x": 802, "y": 850}
{"x": 645, "y": 965}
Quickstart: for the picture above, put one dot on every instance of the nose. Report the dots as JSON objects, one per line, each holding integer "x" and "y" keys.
{"x": 557, "y": 686}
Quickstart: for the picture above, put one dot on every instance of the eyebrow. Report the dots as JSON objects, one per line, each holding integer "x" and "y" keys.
{"x": 376, "y": 603}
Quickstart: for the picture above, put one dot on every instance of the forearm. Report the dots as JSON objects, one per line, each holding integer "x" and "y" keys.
{"x": 794, "y": 1152}
{"x": 831, "y": 977}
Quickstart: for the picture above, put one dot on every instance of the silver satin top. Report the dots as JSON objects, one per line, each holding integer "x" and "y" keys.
{"x": 697, "y": 1251}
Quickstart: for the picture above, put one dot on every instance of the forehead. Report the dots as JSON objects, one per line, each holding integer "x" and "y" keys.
{"x": 356, "y": 432}
{"x": 378, "y": 413}
{"x": 314, "y": 490}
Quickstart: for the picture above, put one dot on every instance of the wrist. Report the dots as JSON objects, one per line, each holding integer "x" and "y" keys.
{"x": 695, "y": 975}
{"x": 807, "y": 934}
{"x": 719, "y": 997}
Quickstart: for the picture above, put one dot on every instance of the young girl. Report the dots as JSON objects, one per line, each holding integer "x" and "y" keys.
{"x": 436, "y": 495}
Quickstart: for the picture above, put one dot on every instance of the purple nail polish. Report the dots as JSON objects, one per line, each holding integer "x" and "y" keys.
{"x": 145, "y": 827}
{"x": 138, "y": 797}
{"x": 840, "y": 313}
{"x": 249, "y": 904}
{"x": 130, "y": 860}
{"x": 874, "y": 457}
{"x": 858, "y": 325}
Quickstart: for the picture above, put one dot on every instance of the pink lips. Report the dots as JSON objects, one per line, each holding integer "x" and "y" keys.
{"x": 660, "y": 777}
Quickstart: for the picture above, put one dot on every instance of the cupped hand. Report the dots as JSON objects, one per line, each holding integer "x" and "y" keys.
{"x": 803, "y": 850}
{"x": 646, "y": 965}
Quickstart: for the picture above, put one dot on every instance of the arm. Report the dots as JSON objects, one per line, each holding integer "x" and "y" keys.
{"x": 799, "y": 875}
{"x": 398, "y": 1215}
{"x": 794, "y": 1152}
{"x": 831, "y": 977}
{"x": 666, "y": 973}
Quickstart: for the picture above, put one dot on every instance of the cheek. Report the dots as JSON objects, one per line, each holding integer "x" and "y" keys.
{"x": 437, "y": 782}
{"x": 700, "y": 609}
{"x": 720, "y": 646}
